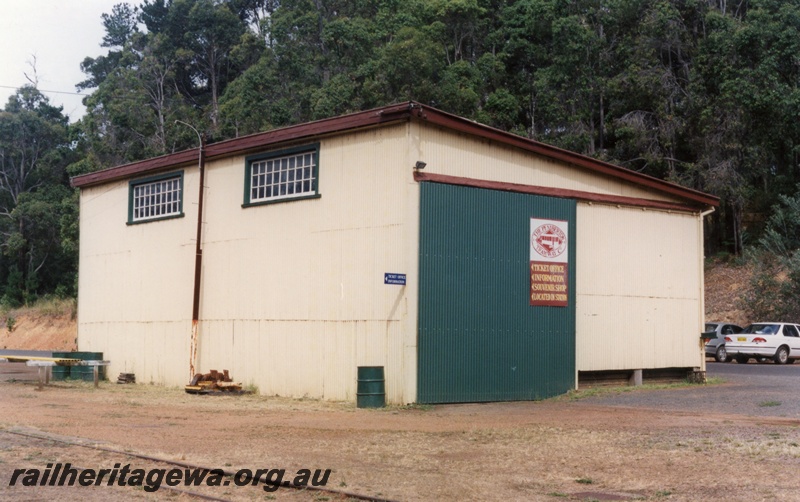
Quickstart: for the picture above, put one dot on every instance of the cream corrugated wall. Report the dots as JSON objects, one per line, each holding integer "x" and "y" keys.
{"x": 639, "y": 288}
{"x": 293, "y": 297}
{"x": 293, "y": 294}
{"x": 454, "y": 154}
{"x": 121, "y": 269}
{"x": 639, "y": 285}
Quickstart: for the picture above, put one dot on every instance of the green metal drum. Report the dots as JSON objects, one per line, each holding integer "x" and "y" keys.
{"x": 371, "y": 392}
{"x": 61, "y": 372}
{"x": 86, "y": 373}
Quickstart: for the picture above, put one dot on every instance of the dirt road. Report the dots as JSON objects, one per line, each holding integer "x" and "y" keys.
{"x": 557, "y": 449}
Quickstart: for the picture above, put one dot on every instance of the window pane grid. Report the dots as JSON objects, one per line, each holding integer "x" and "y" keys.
{"x": 157, "y": 199}
{"x": 282, "y": 177}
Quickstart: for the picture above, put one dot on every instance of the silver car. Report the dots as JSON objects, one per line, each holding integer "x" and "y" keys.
{"x": 715, "y": 347}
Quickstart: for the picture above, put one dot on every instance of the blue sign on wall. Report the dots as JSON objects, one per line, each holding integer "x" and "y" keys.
{"x": 399, "y": 279}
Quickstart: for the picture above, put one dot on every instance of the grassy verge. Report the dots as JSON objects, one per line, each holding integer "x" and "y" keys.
{"x": 47, "y": 306}
{"x": 576, "y": 395}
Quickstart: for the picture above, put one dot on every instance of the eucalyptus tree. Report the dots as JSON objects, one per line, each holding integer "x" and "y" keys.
{"x": 34, "y": 152}
{"x": 747, "y": 86}
{"x": 700, "y": 92}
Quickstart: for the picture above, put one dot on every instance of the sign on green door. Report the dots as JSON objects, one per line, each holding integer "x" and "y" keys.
{"x": 481, "y": 336}
{"x": 549, "y": 262}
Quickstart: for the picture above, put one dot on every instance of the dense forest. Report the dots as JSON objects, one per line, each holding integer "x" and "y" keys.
{"x": 700, "y": 92}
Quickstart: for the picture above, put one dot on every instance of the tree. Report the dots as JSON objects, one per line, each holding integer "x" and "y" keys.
{"x": 651, "y": 95}
{"x": 120, "y": 26}
{"x": 748, "y": 96}
{"x": 34, "y": 152}
{"x": 212, "y": 33}
{"x": 774, "y": 291}
{"x": 700, "y": 92}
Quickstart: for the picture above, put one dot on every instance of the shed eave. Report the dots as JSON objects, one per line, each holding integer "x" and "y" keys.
{"x": 466, "y": 126}
{"x": 381, "y": 116}
{"x": 579, "y": 195}
{"x": 238, "y": 146}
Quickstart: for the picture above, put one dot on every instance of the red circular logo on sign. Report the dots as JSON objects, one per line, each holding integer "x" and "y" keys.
{"x": 549, "y": 241}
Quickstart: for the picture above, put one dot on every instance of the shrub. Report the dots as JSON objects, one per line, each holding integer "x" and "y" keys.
{"x": 774, "y": 289}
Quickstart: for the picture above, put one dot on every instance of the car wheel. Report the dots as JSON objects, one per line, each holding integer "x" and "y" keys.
{"x": 781, "y": 356}
{"x": 722, "y": 354}
{"x": 742, "y": 359}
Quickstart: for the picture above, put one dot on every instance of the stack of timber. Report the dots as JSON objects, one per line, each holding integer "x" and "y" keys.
{"x": 126, "y": 378}
{"x": 213, "y": 382}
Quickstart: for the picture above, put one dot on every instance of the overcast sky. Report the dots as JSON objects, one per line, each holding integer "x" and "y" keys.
{"x": 60, "y": 34}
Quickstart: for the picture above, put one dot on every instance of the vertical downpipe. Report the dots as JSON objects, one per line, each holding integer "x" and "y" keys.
{"x": 198, "y": 261}
{"x": 700, "y": 232}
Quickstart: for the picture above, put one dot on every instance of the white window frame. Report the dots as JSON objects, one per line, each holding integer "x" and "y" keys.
{"x": 283, "y": 175}
{"x": 155, "y": 198}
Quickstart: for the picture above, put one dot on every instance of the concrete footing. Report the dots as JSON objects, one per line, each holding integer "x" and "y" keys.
{"x": 636, "y": 378}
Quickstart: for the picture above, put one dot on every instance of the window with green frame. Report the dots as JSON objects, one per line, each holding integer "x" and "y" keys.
{"x": 283, "y": 175}
{"x": 155, "y": 198}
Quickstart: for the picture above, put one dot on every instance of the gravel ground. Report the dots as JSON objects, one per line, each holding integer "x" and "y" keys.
{"x": 760, "y": 390}
{"x": 620, "y": 444}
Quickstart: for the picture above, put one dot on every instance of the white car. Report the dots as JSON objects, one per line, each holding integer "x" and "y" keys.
{"x": 715, "y": 347}
{"x": 778, "y": 341}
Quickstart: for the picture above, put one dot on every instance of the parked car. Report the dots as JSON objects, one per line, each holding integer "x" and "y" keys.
{"x": 778, "y": 341}
{"x": 715, "y": 347}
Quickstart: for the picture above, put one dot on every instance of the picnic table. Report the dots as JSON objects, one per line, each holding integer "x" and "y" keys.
{"x": 45, "y": 365}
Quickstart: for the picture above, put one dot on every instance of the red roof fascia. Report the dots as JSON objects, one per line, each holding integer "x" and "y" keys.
{"x": 240, "y": 145}
{"x": 562, "y": 193}
{"x": 457, "y": 123}
{"x": 390, "y": 113}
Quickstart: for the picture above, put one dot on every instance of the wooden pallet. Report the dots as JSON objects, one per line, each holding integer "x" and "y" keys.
{"x": 212, "y": 382}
